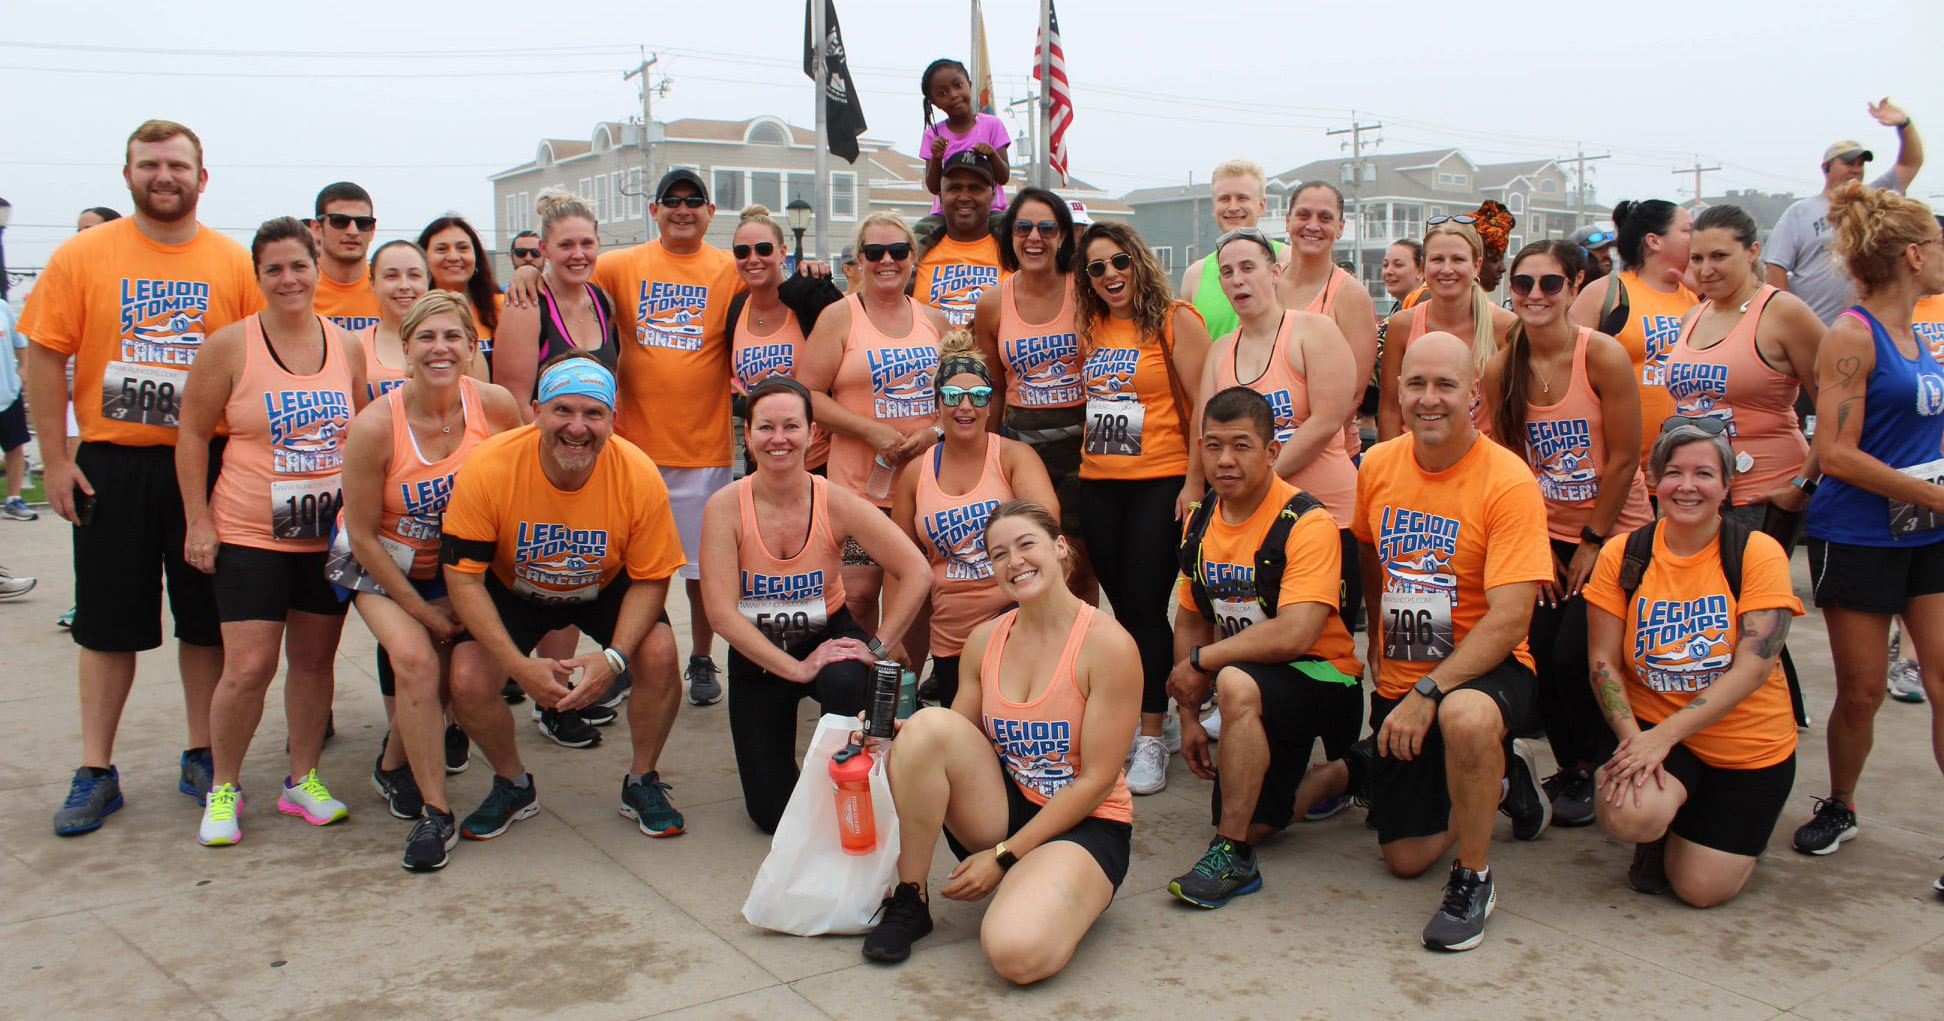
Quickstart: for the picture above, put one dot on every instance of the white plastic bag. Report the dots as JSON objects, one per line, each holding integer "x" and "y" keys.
{"x": 809, "y": 886}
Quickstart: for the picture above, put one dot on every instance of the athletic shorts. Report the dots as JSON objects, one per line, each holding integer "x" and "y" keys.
{"x": 1060, "y": 455}
{"x": 1297, "y": 709}
{"x": 1411, "y": 799}
{"x": 13, "y": 425}
{"x": 1732, "y": 810}
{"x": 689, "y": 490}
{"x": 263, "y": 584}
{"x": 133, "y": 541}
{"x": 527, "y": 622}
{"x": 1110, "y": 842}
{"x": 1873, "y": 579}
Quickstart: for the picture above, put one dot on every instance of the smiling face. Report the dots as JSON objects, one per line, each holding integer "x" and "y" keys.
{"x": 1448, "y": 266}
{"x": 573, "y": 429}
{"x": 1435, "y": 389}
{"x": 525, "y": 251}
{"x": 453, "y": 259}
{"x": 165, "y": 178}
{"x": 1238, "y": 202}
{"x": 886, "y": 276}
{"x": 1840, "y": 171}
{"x": 1248, "y": 276}
{"x": 350, "y": 244}
{"x": 571, "y": 246}
{"x": 1028, "y": 561}
{"x": 1237, "y": 460}
{"x": 1401, "y": 272}
{"x": 1314, "y": 221}
{"x": 1693, "y": 485}
{"x": 681, "y": 227}
{"x": 1035, "y": 252}
{"x": 287, "y": 275}
{"x": 1721, "y": 264}
{"x": 757, "y": 270}
{"x": 1114, "y": 286}
{"x": 1536, "y": 308}
{"x": 398, "y": 277}
{"x": 778, "y": 432}
{"x": 950, "y": 92}
{"x": 438, "y": 352}
{"x": 967, "y": 420}
{"x": 967, "y": 200}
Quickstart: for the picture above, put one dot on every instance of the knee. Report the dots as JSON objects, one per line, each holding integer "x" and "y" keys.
{"x": 1404, "y": 864}
{"x": 1631, "y": 825}
{"x": 1022, "y": 958}
{"x": 1470, "y": 720}
{"x": 1238, "y": 692}
{"x": 653, "y": 662}
{"x": 1697, "y": 893}
{"x": 249, "y": 670}
{"x": 926, "y": 728}
{"x": 474, "y": 673}
{"x": 416, "y": 670}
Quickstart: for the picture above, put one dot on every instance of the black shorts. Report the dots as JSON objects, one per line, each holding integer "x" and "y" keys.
{"x": 527, "y": 622}
{"x": 1732, "y": 810}
{"x": 1411, "y": 799}
{"x": 13, "y": 424}
{"x": 132, "y": 542}
{"x": 1873, "y": 579}
{"x": 1296, "y": 710}
{"x": 263, "y": 584}
{"x": 1110, "y": 842}
{"x": 1060, "y": 454}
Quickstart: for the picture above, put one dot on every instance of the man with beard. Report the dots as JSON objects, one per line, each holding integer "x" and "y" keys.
{"x": 343, "y": 228}
{"x": 130, "y": 302}
{"x": 961, "y": 263}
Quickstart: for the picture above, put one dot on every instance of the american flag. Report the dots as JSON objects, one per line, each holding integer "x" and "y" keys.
{"x": 1061, "y": 114}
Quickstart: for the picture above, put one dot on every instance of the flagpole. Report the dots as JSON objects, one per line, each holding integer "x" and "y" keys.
{"x": 1042, "y": 166}
{"x": 820, "y": 32}
{"x": 978, "y": 72}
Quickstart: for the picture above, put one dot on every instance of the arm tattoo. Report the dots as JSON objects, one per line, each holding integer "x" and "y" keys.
{"x": 1843, "y": 412}
{"x": 1767, "y": 629}
{"x": 1613, "y": 701}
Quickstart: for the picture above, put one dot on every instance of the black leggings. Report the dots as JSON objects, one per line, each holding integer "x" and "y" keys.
{"x": 945, "y": 670}
{"x": 1132, "y": 536}
{"x": 1575, "y": 727}
{"x": 763, "y": 717}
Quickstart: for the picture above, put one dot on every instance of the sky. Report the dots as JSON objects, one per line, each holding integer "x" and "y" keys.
{"x": 420, "y": 106}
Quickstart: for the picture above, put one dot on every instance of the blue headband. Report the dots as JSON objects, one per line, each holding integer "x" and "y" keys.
{"x": 577, "y": 376}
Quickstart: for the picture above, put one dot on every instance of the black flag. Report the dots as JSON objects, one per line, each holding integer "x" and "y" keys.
{"x": 843, "y": 116}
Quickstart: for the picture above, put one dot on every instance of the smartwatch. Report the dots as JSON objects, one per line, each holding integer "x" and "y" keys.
{"x": 1588, "y": 535}
{"x": 1428, "y": 687}
{"x": 1804, "y": 483}
{"x": 876, "y": 647}
{"x": 1194, "y": 658}
{"x": 1006, "y": 858}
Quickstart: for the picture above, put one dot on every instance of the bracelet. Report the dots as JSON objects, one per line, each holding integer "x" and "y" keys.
{"x": 939, "y": 432}
{"x": 616, "y": 661}
{"x": 1587, "y": 534}
{"x": 1194, "y": 658}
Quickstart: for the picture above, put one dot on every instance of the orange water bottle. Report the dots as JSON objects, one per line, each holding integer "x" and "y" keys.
{"x": 850, "y": 778}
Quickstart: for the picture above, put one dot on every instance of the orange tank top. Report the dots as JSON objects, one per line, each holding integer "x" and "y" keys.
{"x": 1653, "y": 327}
{"x": 279, "y": 487}
{"x": 1325, "y": 300}
{"x": 1133, "y": 427}
{"x": 1565, "y": 443}
{"x": 1042, "y": 359}
{"x": 1420, "y": 325}
{"x": 1729, "y": 380}
{"x": 1039, "y": 741}
{"x": 790, "y": 600}
{"x": 1325, "y": 304}
{"x": 952, "y": 525}
{"x": 885, "y": 378}
{"x": 1330, "y": 477}
{"x": 416, "y": 489}
{"x": 380, "y": 379}
{"x": 753, "y": 359}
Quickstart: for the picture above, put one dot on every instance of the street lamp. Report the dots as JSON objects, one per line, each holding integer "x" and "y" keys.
{"x": 799, "y": 212}
{"x": 6, "y": 211}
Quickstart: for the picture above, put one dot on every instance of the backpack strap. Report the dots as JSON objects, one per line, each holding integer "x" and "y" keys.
{"x": 1614, "y": 308}
{"x": 1272, "y": 556}
{"x": 1734, "y": 548}
{"x": 1633, "y": 562}
{"x": 1188, "y": 556}
{"x": 1640, "y": 552}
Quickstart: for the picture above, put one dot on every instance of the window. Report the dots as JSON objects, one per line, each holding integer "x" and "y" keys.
{"x": 586, "y": 189}
{"x": 843, "y": 195}
{"x": 1538, "y": 225}
{"x": 1275, "y": 208}
{"x": 766, "y": 187}
{"x": 600, "y": 203}
{"x": 1515, "y": 202}
{"x": 767, "y": 133}
{"x": 728, "y": 189}
{"x": 1453, "y": 180}
{"x": 1549, "y": 186}
{"x": 512, "y": 214}
{"x": 1165, "y": 256}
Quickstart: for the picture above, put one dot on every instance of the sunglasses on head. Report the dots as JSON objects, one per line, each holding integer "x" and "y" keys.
{"x": 1098, "y": 267}
{"x": 1711, "y": 426}
{"x": 762, "y": 248}
{"x": 952, "y": 396}
{"x": 1046, "y": 228}
{"x": 1550, "y": 284}
{"x": 1460, "y": 218}
{"x": 691, "y": 201}
{"x": 897, "y": 250}
{"x": 527, "y": 253}
{"x": 1598, "y": 238}
{"x": 339, "y": 221}
{"x": 1245, "y": 234}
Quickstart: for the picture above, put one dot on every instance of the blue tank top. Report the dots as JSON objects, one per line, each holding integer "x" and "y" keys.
{"x": 1903, "y": 426}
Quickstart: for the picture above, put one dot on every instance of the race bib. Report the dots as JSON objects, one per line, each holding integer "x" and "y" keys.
{"x": 1906, "y": 517}
{"x": 785, "y": 621}
{"x": 1234, "y": 616}
{"x": 1417, "y": 626}
{"x": 1114, "y": 427}
{"x": 341, "y": 566}
{"x": 304, "y": 508}
{"x": 144, "y": 394}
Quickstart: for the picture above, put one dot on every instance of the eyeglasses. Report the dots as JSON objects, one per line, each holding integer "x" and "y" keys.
{"x": 1245, "y": 234}
{"x": 672, "y": 201}
{"x": 1460, "y": 218}
{"x": 762, "y": 248}
{"x": 1098, "y": 267}
{"x": 1711, "y": 426}
{"x": 952, "y": 396}
{"x": 1047, "y": 228}
{"x": 1550, "y": 284}
{"x": 899, "y": 251}
{"x": 1598, "y": 238}
{"x": 526, "y": 253}
{"x": 339, "y": 221}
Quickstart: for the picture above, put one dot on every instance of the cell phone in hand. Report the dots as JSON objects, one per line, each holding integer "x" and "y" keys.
{"x": 84, "y": 507}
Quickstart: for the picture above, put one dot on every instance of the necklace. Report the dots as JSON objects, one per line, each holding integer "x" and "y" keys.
{"x": 1545, "y": 378}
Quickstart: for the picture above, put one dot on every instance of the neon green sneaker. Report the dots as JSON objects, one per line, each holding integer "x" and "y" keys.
{"x": 219, "y": 826}
{"x": 312, "y": 800}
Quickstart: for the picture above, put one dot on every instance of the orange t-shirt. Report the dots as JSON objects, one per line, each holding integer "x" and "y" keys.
{"x": 133, "y": 313}
{"x": 673, "y": 312}
{"x": 1133, "y": 430}
{"x": 1313, "y": 573}
{"x": 555, "y": 546}
{"x": 1692, "y": 624}
{"x": 351, "y": 306}
{"x": 1443, "y": 540}
{"x": 954, "y": 274}
{"x": 1928, "y": 320}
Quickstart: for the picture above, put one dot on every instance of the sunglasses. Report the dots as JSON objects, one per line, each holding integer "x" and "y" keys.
{"x": 339, "y": 221}
{"x": 1598, "y": 238}
{"x": 762, "y": 248}
{"x": 527, "y": 253}
{"x": 1047, "y": 228}
{"x": 954, "y": 395}
{"x": 1550, "y": 284}
{"x": 1098, "y": 267}
{"x": 672, "y": 201}
{"x": 897, "y": 250}
{"x": 1460, "y": 218}
{"x": 1711, "y": 426}
{"x": 1245, "y": 234}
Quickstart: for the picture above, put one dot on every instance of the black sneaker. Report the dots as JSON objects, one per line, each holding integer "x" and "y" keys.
{"x": 596, "y": 714}
{"x": 617, "y": 692}
{"x": 1224, "y": 872}
{"x": 928, "y": 690}
{"x": 90, "y": 798}
{"x": 458, "y": 749}
{"x": 198, "y": 774}
{"x": 703, "y": 688}
{"x": 1571, "y": 794}
{"x": 1833, "y": 823}
{"x": 432, "y": 837}
{"x": 904, "y": 919}
{"x": 1468, "y": 902}
{"x": 398, "y": 787}
{"x": 505, "y": 805}
{"x": 566, "y": 729}
{"x": 1359, "y": 759}
{"x": 646, "y": 802}
{"x": 1648, "y": 873}
{"x": 512, "y": 693}
{"x": 1525, "y": 801}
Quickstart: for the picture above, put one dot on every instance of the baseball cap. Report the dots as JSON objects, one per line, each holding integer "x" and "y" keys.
{"x": 847, "y": 256}
{"x": 1592, "y": 237}
{"x": 1847, "y": 149}
{"x": 967, "y": 159}
{"x": 680, "y": 176}
{"x": 1080, "y": 217}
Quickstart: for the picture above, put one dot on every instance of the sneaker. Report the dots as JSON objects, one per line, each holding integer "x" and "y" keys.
{"x": 458, "y": 750}
{"x": 1213, "y": 724}
{"x": 1939, "y": 885}
{"x": 1468, "y": 902}
{"x": 1149, "y": 773}
{"x": 1906, "y": 682}
{"x": 1833, "y": 823}
{"x": 219, "y": 827}
{"x": 1648, "y": 873}
{"x": 1571, "y": 793}
{"x": 17, "y": 509}
{"x": 703, "y": 688}
{"x": 1525, "y": 801}
{"x": 1326, "y": 808}
{"x": 432, "y": 837}
{"x": 505, "y": 805}
{"x": 198, "y": 774}
{"x": 905, "y": 919}
{"x": 1361, "y": 759}
{"x": 617, "y": 692}
{"x": 309, "y": 798}
{"x": 11, "y": 586}
{"x": 1171, "y": 733}
{"x": 65, "y": 620}
{"x": 596, "y": 714}
{"x": 1224, "y": 872}
{"x": 928, "y": 690}
{"x": 566, "y": 729}
{"x": 90, "y": 799}
{"x": 646, "y": 802}
{"x": 398, "y": 787}
{"x": 511, "y": 692}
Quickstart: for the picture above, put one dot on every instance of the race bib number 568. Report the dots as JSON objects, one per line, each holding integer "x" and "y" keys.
{"x": 143, "y": 394}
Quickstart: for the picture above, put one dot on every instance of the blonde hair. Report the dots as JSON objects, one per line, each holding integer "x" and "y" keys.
{"x": 1485, "y": 341}
{"x": 885, "y": 220}
{"x": 758, "y": 213}
{"x": 960, "y": 342}
{"x": 432, "y": 303}
{"x": 1873, "y": 227}
{"x": 1239, "y": 168}
{"x": 556, "y": 204}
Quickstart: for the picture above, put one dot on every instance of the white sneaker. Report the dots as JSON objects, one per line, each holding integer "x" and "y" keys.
{"x": 1149, "y": 773}
{"x": 312, "y": 800}
{"x": 1171, "y": 732}
{"x": 1213, "y": 724}
{"x": 1906, "y": 682}
{"x": 11, "y": 586}
{"x": 219, "y": 826}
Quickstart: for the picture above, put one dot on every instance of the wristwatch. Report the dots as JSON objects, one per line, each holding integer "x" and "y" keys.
{"x": 1588, "y": 535}
{"x": 877, "y": 647}
{"x": 1194, "y": 658}
{"x": 1804, "y": 483}
{"x": 1428, "y": 687}
{"x": 1006, "y": 858}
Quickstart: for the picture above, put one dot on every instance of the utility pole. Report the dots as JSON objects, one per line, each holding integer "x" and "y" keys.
{"x": 1356, "y": 169}
{"x": 1579, "y": 218}
{"x": 648, "y": 90}
{"x": 1697, "y": 170}
{"x": 820, "y": 74}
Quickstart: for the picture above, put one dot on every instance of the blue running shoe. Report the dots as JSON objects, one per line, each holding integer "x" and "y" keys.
{"x": 90, "y": 798}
